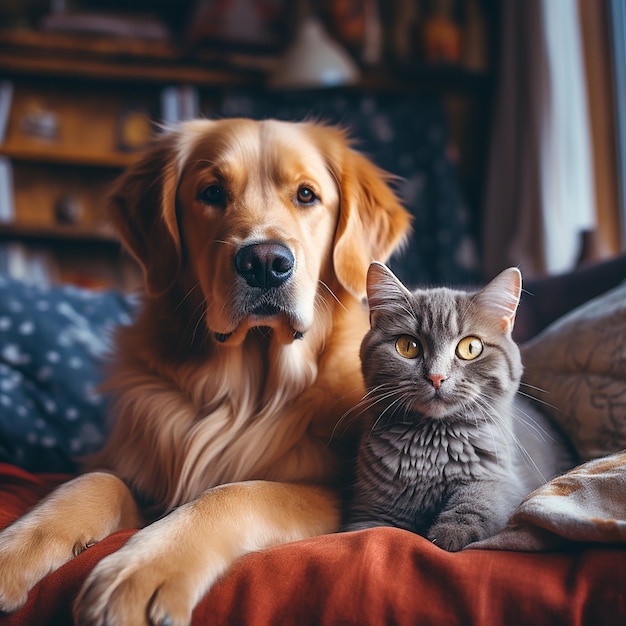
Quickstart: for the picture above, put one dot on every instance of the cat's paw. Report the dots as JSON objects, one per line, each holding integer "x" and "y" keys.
{"x": 454, "y": 536}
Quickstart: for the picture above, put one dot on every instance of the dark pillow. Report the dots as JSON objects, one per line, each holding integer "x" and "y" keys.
{"x": 53, "y": 343}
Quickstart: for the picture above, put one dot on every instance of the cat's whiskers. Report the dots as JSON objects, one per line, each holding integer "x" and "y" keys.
{"x": 369, "y": 400}
{"x": 533, "y": 425}
{"x": 510, "y": 436}
{"x": 533, "y": 398}
{"x": 486, "y": 409}
{"x": 528, "y": 458}
{"x": 388, "y": 408}
{"x": 541, "y": 433}
{"x": 346, "y": 414}
{"x": 503, "y": 427}
{"x": 523, "y": 384}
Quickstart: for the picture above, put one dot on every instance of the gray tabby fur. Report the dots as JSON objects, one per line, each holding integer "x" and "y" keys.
{"x": 449, "y": 459}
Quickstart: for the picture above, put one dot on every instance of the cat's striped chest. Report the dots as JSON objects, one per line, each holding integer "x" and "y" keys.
{"x": 428, "y": 454}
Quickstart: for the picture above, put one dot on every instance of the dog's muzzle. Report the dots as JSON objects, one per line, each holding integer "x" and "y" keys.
{"x": 264, "y": 297}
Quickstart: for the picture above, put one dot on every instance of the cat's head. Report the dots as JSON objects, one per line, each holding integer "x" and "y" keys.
{"x": 440, "y": 352}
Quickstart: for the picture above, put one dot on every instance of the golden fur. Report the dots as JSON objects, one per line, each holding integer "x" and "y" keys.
{"x": 227, "y": 389}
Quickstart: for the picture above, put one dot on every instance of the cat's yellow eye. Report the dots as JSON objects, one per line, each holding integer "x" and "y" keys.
{"x": 408, "y": 347}
{"x": 469, "y": 348}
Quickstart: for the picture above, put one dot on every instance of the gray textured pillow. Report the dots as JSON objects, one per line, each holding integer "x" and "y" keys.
{"x": 577, "y": 367}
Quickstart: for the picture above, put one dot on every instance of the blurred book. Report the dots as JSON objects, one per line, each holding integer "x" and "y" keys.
{"x": 247, "y": 23}
{"x": 7, "y": 199}
{"x": 6, "y": 97}
{"x": 144, "y": 27}
{"x": 179, "y": 103}
{"x": 30, "y": 265}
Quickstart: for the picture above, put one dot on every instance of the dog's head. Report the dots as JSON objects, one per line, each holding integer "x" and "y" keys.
{"x": 255, "y": 220}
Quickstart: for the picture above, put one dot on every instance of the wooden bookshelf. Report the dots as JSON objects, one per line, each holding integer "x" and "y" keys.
{"x": 90, "y": 85}
{"x": 79, "y": 159}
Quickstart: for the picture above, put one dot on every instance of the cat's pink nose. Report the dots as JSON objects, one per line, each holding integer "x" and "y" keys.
{"x": 436, "y": 379}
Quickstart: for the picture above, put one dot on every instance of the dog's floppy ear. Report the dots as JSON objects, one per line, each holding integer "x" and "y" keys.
{"x": 142, "y": 208}
{"x": 372, "y": 222}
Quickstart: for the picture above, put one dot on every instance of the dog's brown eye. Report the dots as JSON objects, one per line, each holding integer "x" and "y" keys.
{"x": 213, "y": 194}
{"x": 306, "y": 195}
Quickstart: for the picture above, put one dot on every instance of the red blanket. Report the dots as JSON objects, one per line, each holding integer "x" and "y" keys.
{"x": 381, "y": 576}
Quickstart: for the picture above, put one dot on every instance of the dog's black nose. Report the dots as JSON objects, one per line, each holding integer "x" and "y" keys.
{"x": 265, "y": 265}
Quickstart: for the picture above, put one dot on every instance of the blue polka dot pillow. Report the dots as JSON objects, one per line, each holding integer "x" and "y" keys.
{"x": 53, "y": 343}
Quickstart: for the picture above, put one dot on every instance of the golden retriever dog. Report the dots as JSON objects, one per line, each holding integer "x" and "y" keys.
{"x": 255, "y": 239}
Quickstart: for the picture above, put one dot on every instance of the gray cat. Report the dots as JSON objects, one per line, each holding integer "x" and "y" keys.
{"x": 448, "y": 449}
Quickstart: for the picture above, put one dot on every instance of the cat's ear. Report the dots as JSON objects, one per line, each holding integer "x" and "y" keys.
{"x": 382, "y": 286}
{"x": 501, "y": 297}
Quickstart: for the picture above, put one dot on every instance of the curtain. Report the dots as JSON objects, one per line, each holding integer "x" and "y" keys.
{"x": 540, "y": 190}
{"x": 594, "y": 19}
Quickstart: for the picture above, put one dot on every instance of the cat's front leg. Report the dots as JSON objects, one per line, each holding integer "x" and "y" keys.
{"x": 474, "y": 511}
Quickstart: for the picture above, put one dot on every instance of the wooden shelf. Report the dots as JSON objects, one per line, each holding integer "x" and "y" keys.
{"x": 160, "y": 62}
{"x": 449, "y": 79}
{"x": 54, "y": 153}
{"x": 39, "y": 42}
{"x": 118, "y": 59}
{"x": 93, "y": 70}
{"x": 57, "y": 234}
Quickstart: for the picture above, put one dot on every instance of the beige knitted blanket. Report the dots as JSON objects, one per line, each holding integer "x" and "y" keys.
{"x": 587, "y": 504}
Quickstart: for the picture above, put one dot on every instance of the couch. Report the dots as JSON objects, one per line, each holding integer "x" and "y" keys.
{"x": 561, "y": 559}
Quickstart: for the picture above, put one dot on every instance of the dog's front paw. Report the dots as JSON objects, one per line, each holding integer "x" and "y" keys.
{"x": 15, "y": 579}
{"x": 157, "y": 578}
{"x": 125, "y": 590}
{"x": 27, "y": 554}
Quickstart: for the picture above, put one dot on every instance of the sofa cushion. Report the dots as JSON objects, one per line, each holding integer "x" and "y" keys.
{"x": 576, "y": 368}
{"x": 376, "y": 576}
